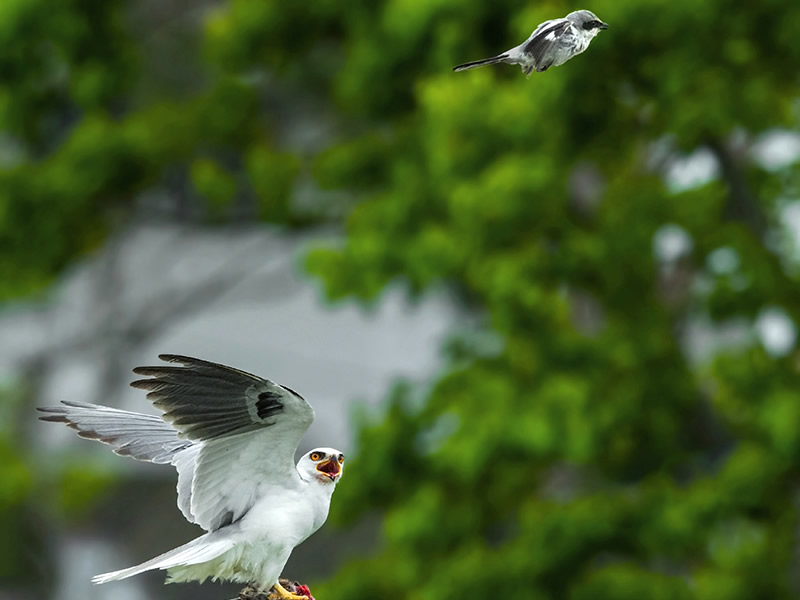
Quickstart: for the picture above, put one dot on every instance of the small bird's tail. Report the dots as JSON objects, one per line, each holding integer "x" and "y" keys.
{"x": 479, "y": 63}
{"x": 197, "y": 551}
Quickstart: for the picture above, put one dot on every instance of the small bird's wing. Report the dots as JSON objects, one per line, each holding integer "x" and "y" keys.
{"x": 544, "y": 25}
{"x": 143, "y": 437}
{"x": 249, "y": 427}
{"x": 542, "y": 42}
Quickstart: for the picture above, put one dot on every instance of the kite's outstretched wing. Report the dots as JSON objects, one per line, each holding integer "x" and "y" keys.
{"x": 249, "y": 428}
{"x": 143, "y": 437}
{"x": 226, "y": 431}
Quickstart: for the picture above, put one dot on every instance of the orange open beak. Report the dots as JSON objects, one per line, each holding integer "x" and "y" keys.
{"x": 330, "y": 468}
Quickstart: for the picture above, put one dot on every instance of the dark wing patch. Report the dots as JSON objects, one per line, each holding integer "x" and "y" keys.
{"x": 205, "y": 400}
{"x": 539, "y": 45}
{"x": 225, "y": 520}
{"x": 268, "y": 404}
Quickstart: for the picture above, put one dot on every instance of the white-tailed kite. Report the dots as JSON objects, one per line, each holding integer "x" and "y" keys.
{"x": 232, "y": 437}
{"x": 551, "y": 44}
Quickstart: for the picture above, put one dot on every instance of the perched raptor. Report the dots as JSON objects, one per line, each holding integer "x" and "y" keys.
{"x": 232, "y": 437}
{"x": 551, "y": 44}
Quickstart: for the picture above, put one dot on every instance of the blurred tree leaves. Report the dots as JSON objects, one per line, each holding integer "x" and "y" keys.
{"x": 601, "y": 449}
{"x": 80, "y": 143}
{"x": 21, "y": 541}
{"x": 212, "y": 182}
{"x": 272, "y": 175}
{"x": 588, "y": 458}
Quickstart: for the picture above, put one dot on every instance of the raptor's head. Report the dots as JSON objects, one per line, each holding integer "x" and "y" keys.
{"x": 587, "y": 21}
{"x": 321, "y": 464}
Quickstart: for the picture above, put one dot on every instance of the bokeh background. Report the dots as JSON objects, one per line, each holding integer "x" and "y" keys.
{"x": 552, "y": 322}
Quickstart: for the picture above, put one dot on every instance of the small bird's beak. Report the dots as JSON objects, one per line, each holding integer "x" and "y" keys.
{"x": 330, "y": 468}
{"x": 603, "y": 25}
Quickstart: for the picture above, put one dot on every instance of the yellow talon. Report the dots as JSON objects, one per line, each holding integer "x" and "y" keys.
{"x": 285, "y": 594}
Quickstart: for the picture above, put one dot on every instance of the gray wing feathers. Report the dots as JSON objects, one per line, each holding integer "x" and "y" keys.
{"x": 143, "y": 437}
{"x": 205, "y": 400}
{"x": 218, "y": 434}
{"x": 246, "y": 429}
{"x": 543, "y": 44}
{"x": 544, "y": 25}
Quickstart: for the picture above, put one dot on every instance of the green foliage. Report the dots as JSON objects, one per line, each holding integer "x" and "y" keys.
{"x": 581, "y": 461}
{"x": 272, "y": 175}
{"x": 82, "y": 136}
{"x": 212, "y": 182}
{"x": 16, "y": 479}
{"x": 19, "y": 489}
{"x": 79, "y": 485}
{"x": 581, "y": 454}
{"x": 57, "y": 58}
{"x": 59, "y": 207}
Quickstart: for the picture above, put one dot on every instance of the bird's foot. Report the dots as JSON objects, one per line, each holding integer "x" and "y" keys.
{"x": 283, "y": 594}
{"x": 283, "y": 590}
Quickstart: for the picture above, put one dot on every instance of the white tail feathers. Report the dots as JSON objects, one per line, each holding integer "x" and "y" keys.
{"x": 201, "y": 550}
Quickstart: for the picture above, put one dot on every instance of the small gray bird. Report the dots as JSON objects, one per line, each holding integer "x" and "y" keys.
{"x": 551, "y": 44}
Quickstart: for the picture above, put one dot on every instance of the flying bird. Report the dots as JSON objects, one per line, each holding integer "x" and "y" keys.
{"x": 551, "y": 44}
{"x": 232, "y": 437}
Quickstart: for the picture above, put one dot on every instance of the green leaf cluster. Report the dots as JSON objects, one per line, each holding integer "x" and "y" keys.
{"x": 588, "y": 456}
{"x": 583, "y": 441}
